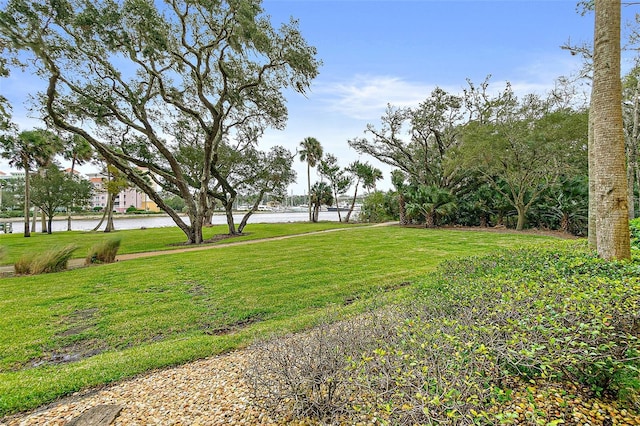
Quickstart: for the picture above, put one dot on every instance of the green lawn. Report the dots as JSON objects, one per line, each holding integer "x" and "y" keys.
{"x": 113, "y": 321}
{"x": 143, "y": 240}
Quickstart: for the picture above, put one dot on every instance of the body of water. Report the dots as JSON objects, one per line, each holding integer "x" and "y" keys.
{"x": 137, "y": 222}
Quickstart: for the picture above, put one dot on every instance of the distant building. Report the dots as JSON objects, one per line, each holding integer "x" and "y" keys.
{"x": 126, "y": 198}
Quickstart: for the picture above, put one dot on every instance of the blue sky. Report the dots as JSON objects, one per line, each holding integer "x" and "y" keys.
{"x": 376, "y": 52}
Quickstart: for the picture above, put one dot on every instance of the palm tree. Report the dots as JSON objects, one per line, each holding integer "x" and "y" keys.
{"x": 363, "y": 173}
{"x": 431, "y": 202}
{"x": 78, "y": 151}
{"x": 311, "y": 152}
{"x": 320, "y": 194}
{"x": 29, "y": 149}
{"x": 605, "y": 116}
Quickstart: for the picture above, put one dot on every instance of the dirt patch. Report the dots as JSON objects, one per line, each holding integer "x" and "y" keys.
{"x": 69, "y": 344}
{"x": 233, "y": 327}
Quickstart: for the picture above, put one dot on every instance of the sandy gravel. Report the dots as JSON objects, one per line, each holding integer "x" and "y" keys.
{"x": 205, "y": 392}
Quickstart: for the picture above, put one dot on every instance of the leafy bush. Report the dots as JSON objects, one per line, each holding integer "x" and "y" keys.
{"x": 103, "y": 252}
{"x": 55, "y": 260}
{"x": 475, "y": 328}
{"x": 378, "y": 207}
{"x": 634, "y": 228}
{"x": 556, "y": 313}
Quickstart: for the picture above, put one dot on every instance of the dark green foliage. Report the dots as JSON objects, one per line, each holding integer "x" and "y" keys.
{"x": 53, "y": 189}
{"x": 429, "y": 203}
{"x": 320, "y": 194}
{"x": 54, "y": 260}
{"x": 634, "y": 228}
{"x": 556, "y": 313}
{"x": 103, "y": 252}
{"x": 379, "y": 207}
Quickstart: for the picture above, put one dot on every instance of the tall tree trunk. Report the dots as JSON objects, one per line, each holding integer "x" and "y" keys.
{"x": 612, "y": 221}
{"x": 110, "y": 227}
{"x": 591, "y": 227}
{"x": 228, "y": 208}
{"x": 208, "y": 215}
{"x": 632, "y": 153}
{"x": 353, "y": 202}
{"x": 248, "y": 214}
{"x": 43, "y": 222}
{"x": 309, "y": 191}
{"x": 73, "y": 165}
{"x": 50, "y": 219}
{"x": 522, "y": 216}
{"x": 27, "y": 200}
{"x": 34, "y": 219}
{"x": 402, "y": 208}
{"x": 104, "y": 215}
{"x": 335, "y": 194}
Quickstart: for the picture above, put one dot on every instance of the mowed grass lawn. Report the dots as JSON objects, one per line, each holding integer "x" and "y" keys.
{"x": 143, "y": 240}
{"x": 63, "y": 332}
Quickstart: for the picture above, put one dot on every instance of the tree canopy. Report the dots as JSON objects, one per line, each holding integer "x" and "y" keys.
{"x": 55, "y": 189}
{"x": 129, "y": 76}
{"x": 525, "y": 149}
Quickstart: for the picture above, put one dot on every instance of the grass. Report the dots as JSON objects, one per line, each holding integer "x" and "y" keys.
{"x": 63, "y": 332}
{"x": 143, "y": 240}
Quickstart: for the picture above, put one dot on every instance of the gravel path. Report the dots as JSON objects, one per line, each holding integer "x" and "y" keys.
{"x": 213, "y": 392}
{"x": 205, "y": 392}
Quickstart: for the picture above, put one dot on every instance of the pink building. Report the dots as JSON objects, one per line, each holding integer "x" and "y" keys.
{"x": 130, "y": 197}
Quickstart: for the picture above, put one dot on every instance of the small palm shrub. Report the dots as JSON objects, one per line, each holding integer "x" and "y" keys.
{"x": 476, "y": 329}
{"x": 55, "y": 260}
{"x": 103, "y": 252}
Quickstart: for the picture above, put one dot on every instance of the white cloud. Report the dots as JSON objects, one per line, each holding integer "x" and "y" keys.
{"x": 365, "y": 97}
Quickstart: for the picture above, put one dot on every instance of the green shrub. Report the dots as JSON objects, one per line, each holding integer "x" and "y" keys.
{"x": 634, "y": 228}
{"x": 103, "y": 252}
{"x": 475, "y": 328}
{"x": 376, "y": 209}
{"x": 558, "y": 313}
{"x": 55, "y": 260}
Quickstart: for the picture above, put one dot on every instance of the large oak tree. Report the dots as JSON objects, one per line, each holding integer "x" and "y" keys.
{"x": 525, "y": 149}
{"x": 125, "y": 75}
